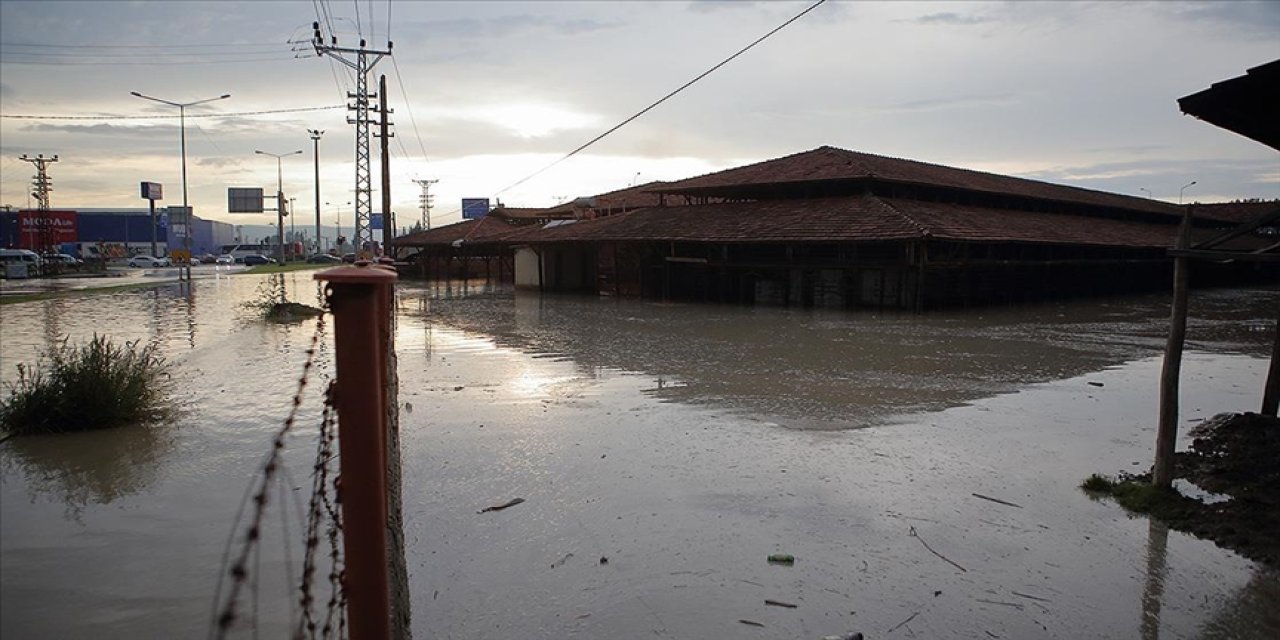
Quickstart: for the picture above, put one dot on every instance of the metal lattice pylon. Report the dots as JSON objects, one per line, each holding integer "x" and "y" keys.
{"x": 361, "y": 61}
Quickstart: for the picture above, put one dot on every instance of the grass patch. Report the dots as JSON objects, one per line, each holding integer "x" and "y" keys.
{"x": 72, "y": 293}
{"x": 1098, "y": 483}
{"x": 96, "y": 386}
{"x": 272, "y": 303}
{"x": 285, "y": 268}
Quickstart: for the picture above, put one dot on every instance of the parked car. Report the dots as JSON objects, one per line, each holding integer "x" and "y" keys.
{"x": 349, "y": 257}
{"x": 208, "y": 258}
{"x": 225, "y": 258}
{"x": 64, "y": 259}
{"x": 24, "y": 261}
{"x": 324, "y": 258}
{"x": 149, "y": 262}
{"x": 257, "y": 258}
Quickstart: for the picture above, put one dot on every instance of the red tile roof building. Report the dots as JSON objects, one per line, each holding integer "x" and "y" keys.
{"x": 831, "y": 227}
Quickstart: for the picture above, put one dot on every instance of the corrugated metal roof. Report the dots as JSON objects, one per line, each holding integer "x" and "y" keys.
{"x": 832, "y": 164}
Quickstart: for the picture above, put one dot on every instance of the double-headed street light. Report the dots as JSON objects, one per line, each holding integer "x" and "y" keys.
{"x": 279, "y": 199}
{"x": 182, "y": 127}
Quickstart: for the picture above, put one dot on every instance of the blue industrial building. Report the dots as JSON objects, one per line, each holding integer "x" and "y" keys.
{"x": 125, "y": 232}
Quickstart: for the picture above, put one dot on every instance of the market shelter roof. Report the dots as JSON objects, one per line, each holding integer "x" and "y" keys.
{"x": 849, "y": 219}
{"x": 480, "y": 230}
{"x": 1247, "y": 104}
{"x": 830, "y": 165}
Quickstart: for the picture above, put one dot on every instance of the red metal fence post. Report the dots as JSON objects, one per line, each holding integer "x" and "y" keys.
{"x": 360, "y": 317}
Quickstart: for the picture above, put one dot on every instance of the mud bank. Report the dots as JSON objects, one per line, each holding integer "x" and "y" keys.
{"x": 1234, "y": 497}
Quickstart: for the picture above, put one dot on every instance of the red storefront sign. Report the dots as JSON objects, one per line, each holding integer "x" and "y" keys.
{"x": 40, "y": 229}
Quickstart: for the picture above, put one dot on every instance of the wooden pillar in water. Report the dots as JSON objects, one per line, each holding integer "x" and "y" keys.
{"x": 1167, "y": 432}
{"x": 1271, "y": 393}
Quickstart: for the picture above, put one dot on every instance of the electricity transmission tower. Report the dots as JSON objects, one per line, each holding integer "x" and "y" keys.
{"x": 42, "y": 185}
{"x": 361, "y": 61}
{"x": 41, "y": 182}
{"x": 425, "y": 201}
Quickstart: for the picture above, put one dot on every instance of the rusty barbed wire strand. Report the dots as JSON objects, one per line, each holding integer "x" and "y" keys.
{"x": 239, "y": 572}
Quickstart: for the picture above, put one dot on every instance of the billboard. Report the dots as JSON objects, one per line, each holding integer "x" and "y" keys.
{"x": 152, "y": 191}
{"x": 39, "y": 229}
{"x": 244, "y": 199}
{"x": 473, "y": 208}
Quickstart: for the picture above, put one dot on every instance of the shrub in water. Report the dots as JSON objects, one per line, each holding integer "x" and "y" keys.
{"x": 97, "y": 386}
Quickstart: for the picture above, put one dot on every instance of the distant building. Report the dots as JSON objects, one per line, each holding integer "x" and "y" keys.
{"x": 834, "y": 228}
{"x": 114, "y": 232}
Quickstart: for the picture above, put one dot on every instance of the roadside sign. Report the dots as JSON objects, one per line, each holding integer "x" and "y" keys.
{"x": 244, "y": 200}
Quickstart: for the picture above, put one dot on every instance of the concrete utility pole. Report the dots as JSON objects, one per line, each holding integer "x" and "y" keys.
{"x": 42, "y": 185}
{"x": 424, "y": 201}
{"x": 315, "y": 139}
{"x": 388, "y": 225}
{"x": 364, "y": 60}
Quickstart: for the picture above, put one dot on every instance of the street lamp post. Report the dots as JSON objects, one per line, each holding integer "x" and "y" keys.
{"x": 1184, "y": 188}
{"x": 182, "y": 128}
{"x": 315, "y": 139}
{"x": 279, "y": 199}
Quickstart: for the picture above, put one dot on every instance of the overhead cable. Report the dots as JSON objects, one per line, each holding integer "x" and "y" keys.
{"x": 662, "y": 99}
{"x": 162, "y": 116}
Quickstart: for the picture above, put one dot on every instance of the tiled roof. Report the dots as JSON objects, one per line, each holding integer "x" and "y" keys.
{"x": 830, "y": 164}
{"x": 822, "y": 219}
{"x": 521, "y": 213}
{"x": 850, "y": 219}
{"x": 1237, "y": 212}
{"x": 620, "y": 200}
{"x": 471, "y": 231}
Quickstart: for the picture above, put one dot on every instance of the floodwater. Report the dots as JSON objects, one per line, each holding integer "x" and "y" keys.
{"x": 683, "y": 443}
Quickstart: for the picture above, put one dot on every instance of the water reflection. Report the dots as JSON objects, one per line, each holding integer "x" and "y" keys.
{"x": 822, "y": 369}
{"x": 1153, "y": 587}
{"x": 92, "y": 467}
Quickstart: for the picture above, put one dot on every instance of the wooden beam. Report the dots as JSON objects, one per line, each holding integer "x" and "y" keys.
{"x": 1167, "y": 432}
{"x": 1244, "y": 229}
{"x": 1238, "y": 256}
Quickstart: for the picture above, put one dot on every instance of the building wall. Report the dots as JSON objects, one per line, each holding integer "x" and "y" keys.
{"x": 528, "y": 275}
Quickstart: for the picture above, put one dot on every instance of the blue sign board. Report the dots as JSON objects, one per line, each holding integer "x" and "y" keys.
{"x": 473, "y": 208}
{"x": 375, "y": 221}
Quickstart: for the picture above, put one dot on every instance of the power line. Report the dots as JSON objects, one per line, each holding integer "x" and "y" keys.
{"x": 158, "y": 117}
{"x": 88, "y": 63}
{"x": 400, "y": 80}
{"x": 216, "y": 45}
{"x": 662, "y": 99}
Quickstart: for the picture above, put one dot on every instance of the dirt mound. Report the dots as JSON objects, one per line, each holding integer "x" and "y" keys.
{"x": 1236, "y": 456}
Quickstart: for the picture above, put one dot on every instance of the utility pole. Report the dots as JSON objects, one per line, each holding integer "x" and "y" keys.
{"x": 280, "y": 207}
{"x": 315, "y": 139}
{"x": 424, "y": 201}
{"x": 364, "y": 60}
{"x": 42, "y": 185}
{"x": 388, "y": 226}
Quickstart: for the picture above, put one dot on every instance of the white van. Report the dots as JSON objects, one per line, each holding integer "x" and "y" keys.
{"x": 20, "y": 263}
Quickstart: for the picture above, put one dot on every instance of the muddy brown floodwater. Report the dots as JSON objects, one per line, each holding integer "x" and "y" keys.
{"x": 683, "y": 443}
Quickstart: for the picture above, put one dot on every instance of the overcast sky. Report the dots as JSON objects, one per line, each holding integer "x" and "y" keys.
{"x": 1077, "y": 93}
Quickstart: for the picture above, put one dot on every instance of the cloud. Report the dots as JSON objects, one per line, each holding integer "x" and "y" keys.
{"x": 950, "y": 18}
{"x": 7, "y": 92}
{"x": 1243, "y": 19}
{"x": 708, "y": 6}
{"x": 104, "y": 129}
{"x": 220, "y": 162}
{"x": 943, "y": 104}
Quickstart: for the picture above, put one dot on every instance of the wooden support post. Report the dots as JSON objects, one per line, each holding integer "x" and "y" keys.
{"x": 358, "y": 297}
{"x": 1167, "y": 432}
{"x": 1271, "y": 393}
